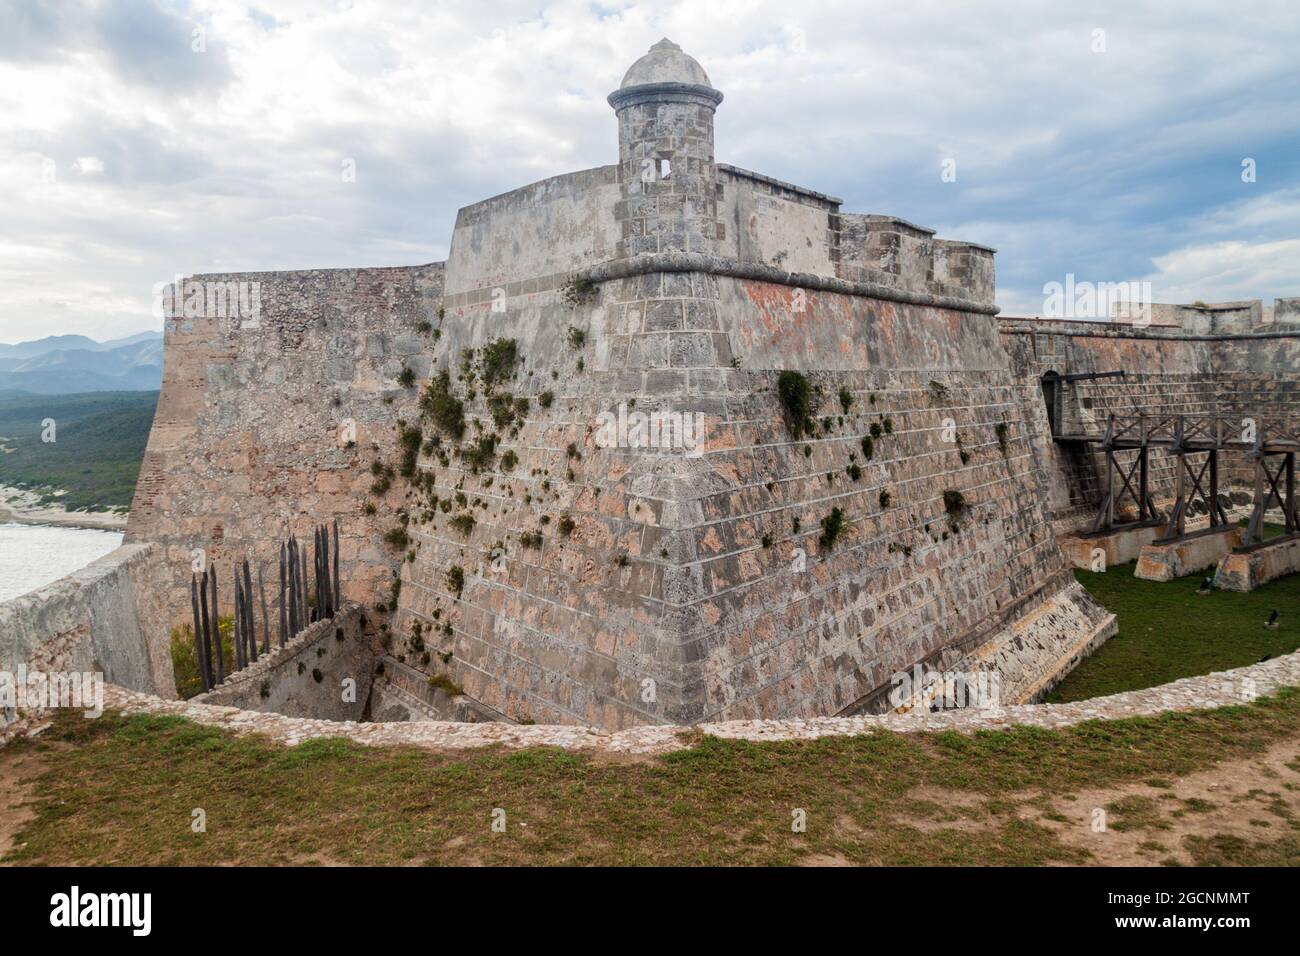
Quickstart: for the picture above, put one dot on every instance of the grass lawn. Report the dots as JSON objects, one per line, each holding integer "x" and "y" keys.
{"x": 123, "y": 790}
{"x": 1167, "y": 631}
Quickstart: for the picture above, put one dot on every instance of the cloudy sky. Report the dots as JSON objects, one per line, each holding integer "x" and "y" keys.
{"x": 1107, "y": 143}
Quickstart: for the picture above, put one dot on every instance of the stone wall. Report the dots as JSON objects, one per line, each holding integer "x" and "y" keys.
{"x": 674, "y": 598}
{"x": 1167, "y": 372}
{"x": 250, "y": 441}
{"x": 106, "y": 617}
{"x": 306, "y": 677}
{"x": 1231, "y": 688}
{"x": 549, "y": 228}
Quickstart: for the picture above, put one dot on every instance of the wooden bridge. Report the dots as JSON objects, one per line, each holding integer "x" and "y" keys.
{"x": 1271, "y": 444}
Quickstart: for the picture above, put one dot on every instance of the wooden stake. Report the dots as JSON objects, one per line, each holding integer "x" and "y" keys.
{"x": 250, "y": 619}
{"x": 266, "y": 619}
{"x": 238, "y": 623}
{"x": 216, "y": 628}
{"x": 284, "y": 610}
{"x": 338, "y": 587}
{"x": 198, "y": 635}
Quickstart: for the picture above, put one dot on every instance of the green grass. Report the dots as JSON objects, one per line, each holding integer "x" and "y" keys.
{"x": 99, "y": 444}
{"x": 125, "y": 790}
{"x": 1167, "y": 631}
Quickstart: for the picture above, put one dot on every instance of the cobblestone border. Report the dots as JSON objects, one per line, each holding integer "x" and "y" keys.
{"x": 1190, "y": 693}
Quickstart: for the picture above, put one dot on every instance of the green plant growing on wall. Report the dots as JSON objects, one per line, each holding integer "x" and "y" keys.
{"x": 410, "y": 439}
{"x": 885, "y": 498}
{"x": 565, "y": 525}
{"x": 889, "y": 426}
{"x": 185, "y": 661}
{"x": 480, "y": 454}
{"x": 446, "y": 684}
{"x": 509, "y": 460}
{"x": 531, "y": 539}
{"x": 397, "y": 538}
{"x": 442, "y": 408}
{"x": 463, "y": 522}
{"x": 833, "y": 526}
{"x": 406, "y": 378}
{"x": 796, "y": 396}
{"x": 576, "y": 337}
{"x": 546, "y": 398}
{"x": 456, "y": 579}
{"x": 580, "y": 290}
{"x": 868, "y": 447}
{"x": 1001, "y": 430}
{"x": 938, "y": 390}
{"x": 875, "y": 430}
{"x": 846, "y": 400}
{"x": 499, "y": 358}
{"x": 954, "y": 502}
{"x": 854, "y": 471}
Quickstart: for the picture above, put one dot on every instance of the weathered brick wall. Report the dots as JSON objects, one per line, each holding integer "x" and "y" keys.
{"x": 667, "y": 576}
{"x": 104, "y": 617}
{"x": 1167, "y": 372}
{"x": 246, "y": 447}
{"x": 309, "y": 676}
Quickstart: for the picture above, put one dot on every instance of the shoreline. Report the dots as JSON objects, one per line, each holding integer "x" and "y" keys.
{"x": 27, "y": 511}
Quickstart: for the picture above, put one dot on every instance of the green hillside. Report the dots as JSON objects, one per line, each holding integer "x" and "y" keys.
{"x": 99, "y": 443}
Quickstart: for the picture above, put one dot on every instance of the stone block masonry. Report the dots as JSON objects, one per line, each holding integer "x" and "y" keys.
{"x": 271, "y": 427}
{"x": 1168, "y": 371}
{"x": 1221, "y": 689}
{"x": 1247, "y": 570}
{"x": 697, "y": 587}
{"x": 772, "y": 564}
{"x": 325, "y": 672}
{"x": 107, "y": 617}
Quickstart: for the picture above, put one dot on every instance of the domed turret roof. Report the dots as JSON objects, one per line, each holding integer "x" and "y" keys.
{"x": 665, "y": 63}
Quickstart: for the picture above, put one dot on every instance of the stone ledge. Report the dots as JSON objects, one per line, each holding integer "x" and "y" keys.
{"x": 718, "y": 265}
{"x": 1247, "y": 570}
{"x": 1196, "y": 552}
{"x": 1205, "y": 692}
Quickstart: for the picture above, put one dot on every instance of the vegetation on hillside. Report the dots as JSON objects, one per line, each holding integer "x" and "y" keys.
{"x": 95, "y": 458}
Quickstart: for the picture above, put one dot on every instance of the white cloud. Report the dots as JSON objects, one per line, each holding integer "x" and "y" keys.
{"x": 172, "y": 161}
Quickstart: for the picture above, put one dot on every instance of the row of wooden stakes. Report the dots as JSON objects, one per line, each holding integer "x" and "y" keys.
{"x": 305, "y": 597}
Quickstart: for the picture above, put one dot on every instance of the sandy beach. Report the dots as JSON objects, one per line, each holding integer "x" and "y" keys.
{"x": 24, "y": 507}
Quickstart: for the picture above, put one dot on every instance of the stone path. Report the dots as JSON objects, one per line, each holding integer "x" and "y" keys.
{"x": 1237, "y": 686}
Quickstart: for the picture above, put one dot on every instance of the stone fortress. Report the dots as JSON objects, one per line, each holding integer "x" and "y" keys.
{"x": 877, "y": 480}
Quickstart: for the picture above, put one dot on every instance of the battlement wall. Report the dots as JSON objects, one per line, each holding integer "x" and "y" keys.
{"x": 1168, "y": 371}
{"x": 552, "y": 227}
{"x": 105, "y": 617}
{"x": 269, "y": 425}
{"x": 693, "y": 586}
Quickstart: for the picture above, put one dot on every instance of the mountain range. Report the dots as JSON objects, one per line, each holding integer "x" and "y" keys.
{"x": 67, "y": 364}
